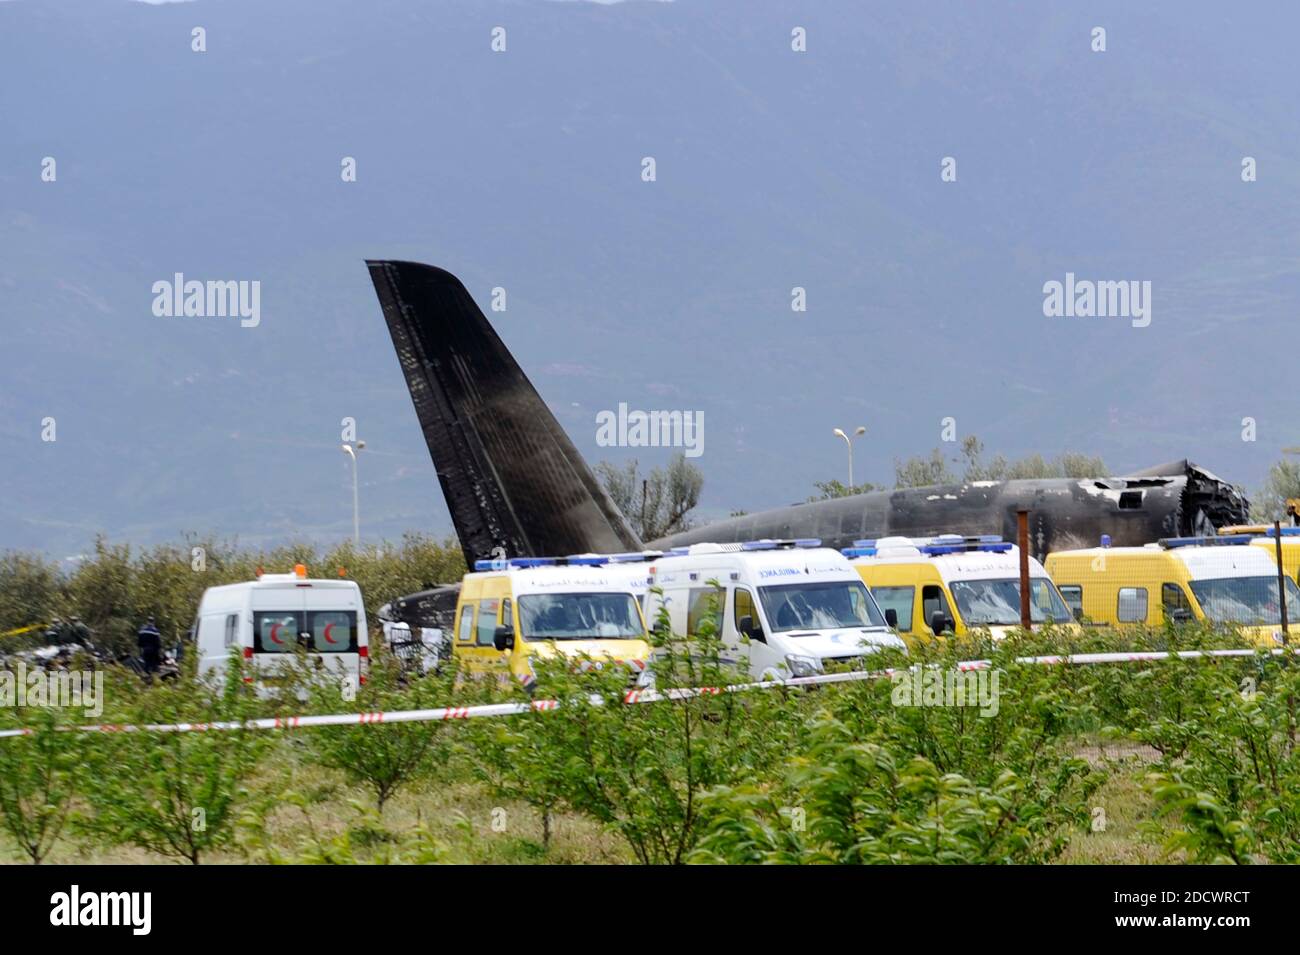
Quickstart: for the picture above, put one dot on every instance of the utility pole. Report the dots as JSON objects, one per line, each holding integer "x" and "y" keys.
{"x": 1022, "y": 542}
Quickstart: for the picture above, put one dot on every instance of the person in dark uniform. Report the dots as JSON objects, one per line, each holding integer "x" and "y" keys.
{"x": 80, "y": 632}
{"x": 150, "y": 641}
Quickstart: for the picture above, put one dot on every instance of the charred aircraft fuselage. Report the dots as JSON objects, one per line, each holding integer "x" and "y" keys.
{"x": 516, "y": 485}
{"x": 1174, "y": 500}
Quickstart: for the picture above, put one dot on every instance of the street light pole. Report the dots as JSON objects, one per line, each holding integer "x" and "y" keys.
{"x": 839, "y": 433}
{"x": 356, "y": 510}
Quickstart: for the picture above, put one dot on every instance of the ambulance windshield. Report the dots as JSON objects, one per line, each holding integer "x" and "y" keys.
{"x": 1246, "y": 600}
{"x": 829, "y": 605}
{"x": 580, "y": 616}
{"x": 984, "y": 603}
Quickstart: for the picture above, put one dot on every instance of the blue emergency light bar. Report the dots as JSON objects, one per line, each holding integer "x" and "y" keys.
{"x": 858, "y": 551}
{"x": 636, "y": 556}
{"x": 520, "y": 563}
{"x": 1169, "y": 543}
{"x": 781, "y": 544}
{"x": 956, "y": 544}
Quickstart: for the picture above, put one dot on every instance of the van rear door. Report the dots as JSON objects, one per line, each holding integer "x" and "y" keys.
{"x": 334, "y": 632}
{"x": 277, "y": 626}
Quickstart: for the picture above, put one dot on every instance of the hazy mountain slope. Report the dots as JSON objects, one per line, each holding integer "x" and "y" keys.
{"x": 522, "y": 170}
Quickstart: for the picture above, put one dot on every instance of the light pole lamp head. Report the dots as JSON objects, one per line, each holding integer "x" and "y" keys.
{"x": 860, "y": 432}
{"x": 839, "y": 433}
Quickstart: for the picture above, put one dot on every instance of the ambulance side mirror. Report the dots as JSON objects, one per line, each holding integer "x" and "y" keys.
{"x": 891, "y": 618}
{"x": 503, "y": 639}
{"x": 746, "y": 626}
{"x": 1181, "y": 615}
{"x": 939, "y": 622}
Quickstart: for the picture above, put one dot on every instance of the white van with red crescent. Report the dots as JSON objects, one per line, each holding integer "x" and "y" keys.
{"x": 272, "y": 618}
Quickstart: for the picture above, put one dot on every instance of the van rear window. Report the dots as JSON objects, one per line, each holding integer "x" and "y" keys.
{"x": 317, "y": 631}
{"x": 276, "y": 631}
{"x": 332, "y": 631}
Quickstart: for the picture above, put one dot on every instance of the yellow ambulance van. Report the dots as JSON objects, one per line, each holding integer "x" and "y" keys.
{"x": 1262, "y": 537}
{"x": 587, "y": 607}
{"x": 1220, "y": 579}
{"x": 949, "y": 583}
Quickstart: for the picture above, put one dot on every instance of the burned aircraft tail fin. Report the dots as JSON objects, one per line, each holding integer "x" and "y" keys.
{"x": 512, "y": 478}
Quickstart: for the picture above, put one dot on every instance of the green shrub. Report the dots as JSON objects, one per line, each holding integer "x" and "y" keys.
{"x": 642, "y": 769}
{"x": 174, "y": 794}
{"x": 383, "y": 758}
{"x": 39, "y": 775}
{"x": 850, "y": 801}
{"x": 1235, "y": 792}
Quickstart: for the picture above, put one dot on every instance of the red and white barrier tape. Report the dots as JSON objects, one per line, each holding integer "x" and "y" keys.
{"x": 646, "y": 695}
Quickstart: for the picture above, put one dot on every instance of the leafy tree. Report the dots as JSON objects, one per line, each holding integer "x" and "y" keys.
{"x": 176, "y": 794}
{"x": 386, "y": 571}
{"x": 101, "y": 592}
{"x": 924, "y": 471}
{"x": 855, "y": 801}
{"x": 1070, "y": 464}
{"x": 383, "y": 758}
{"x": 659, "y": 503}
{"x": 642, "y": 769}
{"x": 167, "y": 583}
{"x": 38, "y": 778}
{"x": 1234, "y": 788}
{"x": 1281, "y": 486}
{"x": 31, "y": 591}
{"x": 1075, "y": 465}
{"x": 116, "y": 589}
{"x": 833, "y": 489}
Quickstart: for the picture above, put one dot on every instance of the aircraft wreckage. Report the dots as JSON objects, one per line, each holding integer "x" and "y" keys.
{"x": 516, "y": 485}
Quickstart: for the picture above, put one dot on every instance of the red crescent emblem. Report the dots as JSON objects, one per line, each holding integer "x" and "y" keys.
{"x": 274, "y": 639}
{"x": 326, "y": 634}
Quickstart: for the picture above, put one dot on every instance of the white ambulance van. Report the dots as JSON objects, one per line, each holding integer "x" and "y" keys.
{"x": 803, "y": 607}
{"x": 271, "y": 617}
{"x": 634, "y": 568}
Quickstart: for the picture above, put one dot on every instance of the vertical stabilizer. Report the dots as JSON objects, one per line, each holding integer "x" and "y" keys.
{"x": 512, "y": 478}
